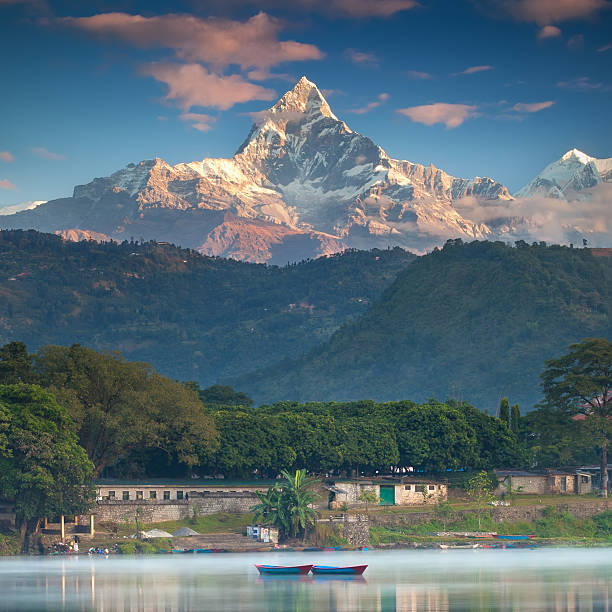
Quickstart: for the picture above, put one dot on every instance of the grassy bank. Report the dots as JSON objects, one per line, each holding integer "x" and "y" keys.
{"x": 222, "y": 522}
{"x": 555, "y": 525}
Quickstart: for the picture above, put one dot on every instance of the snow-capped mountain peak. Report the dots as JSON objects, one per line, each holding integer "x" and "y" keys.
{"x": 583, "y": 158}
{"x": 569, "y": 175}
{"x": 305, "y": 97}
{"x": 301, "y": 177}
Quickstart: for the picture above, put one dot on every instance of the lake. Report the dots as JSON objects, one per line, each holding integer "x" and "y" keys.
{"x": 402, "y": 580}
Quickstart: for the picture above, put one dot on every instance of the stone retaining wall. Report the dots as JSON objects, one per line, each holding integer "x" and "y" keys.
{"x": 498, "y": 514}
{"x": 157, "y": 511}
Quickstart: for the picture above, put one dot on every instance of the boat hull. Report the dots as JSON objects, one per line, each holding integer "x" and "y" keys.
{"x": 514, "y": 537}
{"x": 283, "y": 569}
{"x": 355, "y": 570}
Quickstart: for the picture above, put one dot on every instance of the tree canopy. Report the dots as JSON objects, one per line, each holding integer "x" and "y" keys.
{"x": 366, "y": 437}
{"x": 580, "y": 382}
{"x": 42, "y": 467}
{"x": 120, "y": 406}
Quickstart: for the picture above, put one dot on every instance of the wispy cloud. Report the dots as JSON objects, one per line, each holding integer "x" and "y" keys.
{"x": 417, "y": 74}
{"x": 549, "y": 31}
{"x": 451, "y": 115}
{"x": 362, "y": 8}
{"x": 219, "y": 42}
{"x": 46, "y": 154}
{"x": 549, "y": 219}
{"x": 576, "y": 42}
{"x": 533, "y": 107}
{"x": 6, "y": 184}
{"x": 382, "y": 98}
{"x": 348, "y": 9}
{"x": 580, "y": 83}
{"x": 605, "y": 48}
{"x": 473, "y": 70}
{"x": 264, "y": 75}
{"x": 6, "y": 156}
{"x": 199, "y": 121}
{"x": 543, "y": 12}
{"x": 361, "y": 58}
{"x": 333, "y": 92}
{"x": 192, "y": 85}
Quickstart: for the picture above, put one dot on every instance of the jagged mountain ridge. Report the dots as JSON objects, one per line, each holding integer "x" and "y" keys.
{"x": 565, "y": 178}
{"x": 302, "y": 176}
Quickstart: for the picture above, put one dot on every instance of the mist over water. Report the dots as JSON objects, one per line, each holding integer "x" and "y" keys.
{"x": 407, "y": 580}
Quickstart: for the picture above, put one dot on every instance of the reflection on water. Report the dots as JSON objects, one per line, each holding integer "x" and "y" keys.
{"x": 543, "y": 579}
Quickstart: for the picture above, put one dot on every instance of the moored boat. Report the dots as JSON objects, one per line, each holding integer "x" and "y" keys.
{"x": 355, "y": 570}
{"x": 283, "y": 569}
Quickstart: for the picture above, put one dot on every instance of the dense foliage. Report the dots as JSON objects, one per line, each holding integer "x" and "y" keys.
{"x": 192, "y": 317}
{"x": 362, "y": 436}
{"x": 127, "y": 416}
{"x": 288, "y": 505}
{"x": 580, "y": 383}
{"x": 42, "y": 467}
{"x": 475, "y": 321}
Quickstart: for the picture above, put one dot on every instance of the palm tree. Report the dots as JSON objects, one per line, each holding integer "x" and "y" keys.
{"x": 288, "y": 505}
{"x": 270, "y": 509}
{"x": 297, "y": 501}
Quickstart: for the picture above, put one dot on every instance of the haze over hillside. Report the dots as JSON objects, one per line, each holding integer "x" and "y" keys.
{"x": 191, "y": 316}
{"x": 472, "y": 321}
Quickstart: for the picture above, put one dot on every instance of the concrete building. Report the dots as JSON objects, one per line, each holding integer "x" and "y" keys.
{"x": 550, "y": 482}
{"x": 389, "y": 492}
{"x": 171, "y": 500}
{"x": 168, "y": 489}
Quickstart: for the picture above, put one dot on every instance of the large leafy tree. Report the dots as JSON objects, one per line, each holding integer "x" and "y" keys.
{"x": 581, "y": 383}
{"x": 42, "y": 467}
{"x": 120, "y": 406}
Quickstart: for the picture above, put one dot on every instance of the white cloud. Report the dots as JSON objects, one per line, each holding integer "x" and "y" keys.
{"x": 192, "y": 85}
{"x": 549, "y": 31}
{"x": 382, "y": 98}
{"x": 46, "y": 154}
{"x": 549, "y": 219}
{"x": 417, "y": 74}
{"x": 7, "y": 156}
{"x": 543, "y": 12}
{"x": 580, "y": 83}
{"x": 473, "y": 70}
{"x": 533, "y": 107}
{"x": 576, "y": 42}
{"x": 361, "y": 58}
{"x": 451, "y": 115}
{"x": 6, "y": 184}
{"x": 199, "y": 121}
{"x": 218, "y": 42}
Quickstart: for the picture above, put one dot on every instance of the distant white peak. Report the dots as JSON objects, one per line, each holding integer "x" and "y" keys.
{"x": 579, "y": 155}
{"x": 15, "y": 208}
{"x": 305, "y": 97}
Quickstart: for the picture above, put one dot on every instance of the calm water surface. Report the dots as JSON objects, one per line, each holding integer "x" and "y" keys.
{"x": 540, "y": 579}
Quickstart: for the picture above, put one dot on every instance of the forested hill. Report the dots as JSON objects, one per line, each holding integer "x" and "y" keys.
{"x": 193, "y": 317}
{"x": 471, "y": 321}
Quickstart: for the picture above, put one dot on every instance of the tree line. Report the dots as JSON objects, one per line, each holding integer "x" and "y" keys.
{"x": 71, "y": 414}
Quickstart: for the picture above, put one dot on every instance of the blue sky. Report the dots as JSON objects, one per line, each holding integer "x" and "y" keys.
{"x": 497, "y": 88}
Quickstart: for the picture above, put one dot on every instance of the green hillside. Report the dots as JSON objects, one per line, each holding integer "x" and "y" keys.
{"x": 471, "y": 321}
{"x": 191, "y": 316}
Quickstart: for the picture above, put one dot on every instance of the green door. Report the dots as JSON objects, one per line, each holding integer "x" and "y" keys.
{"x": 387, "y": 495}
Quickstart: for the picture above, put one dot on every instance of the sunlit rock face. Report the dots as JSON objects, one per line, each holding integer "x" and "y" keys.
{"x": 301, "y": 177}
